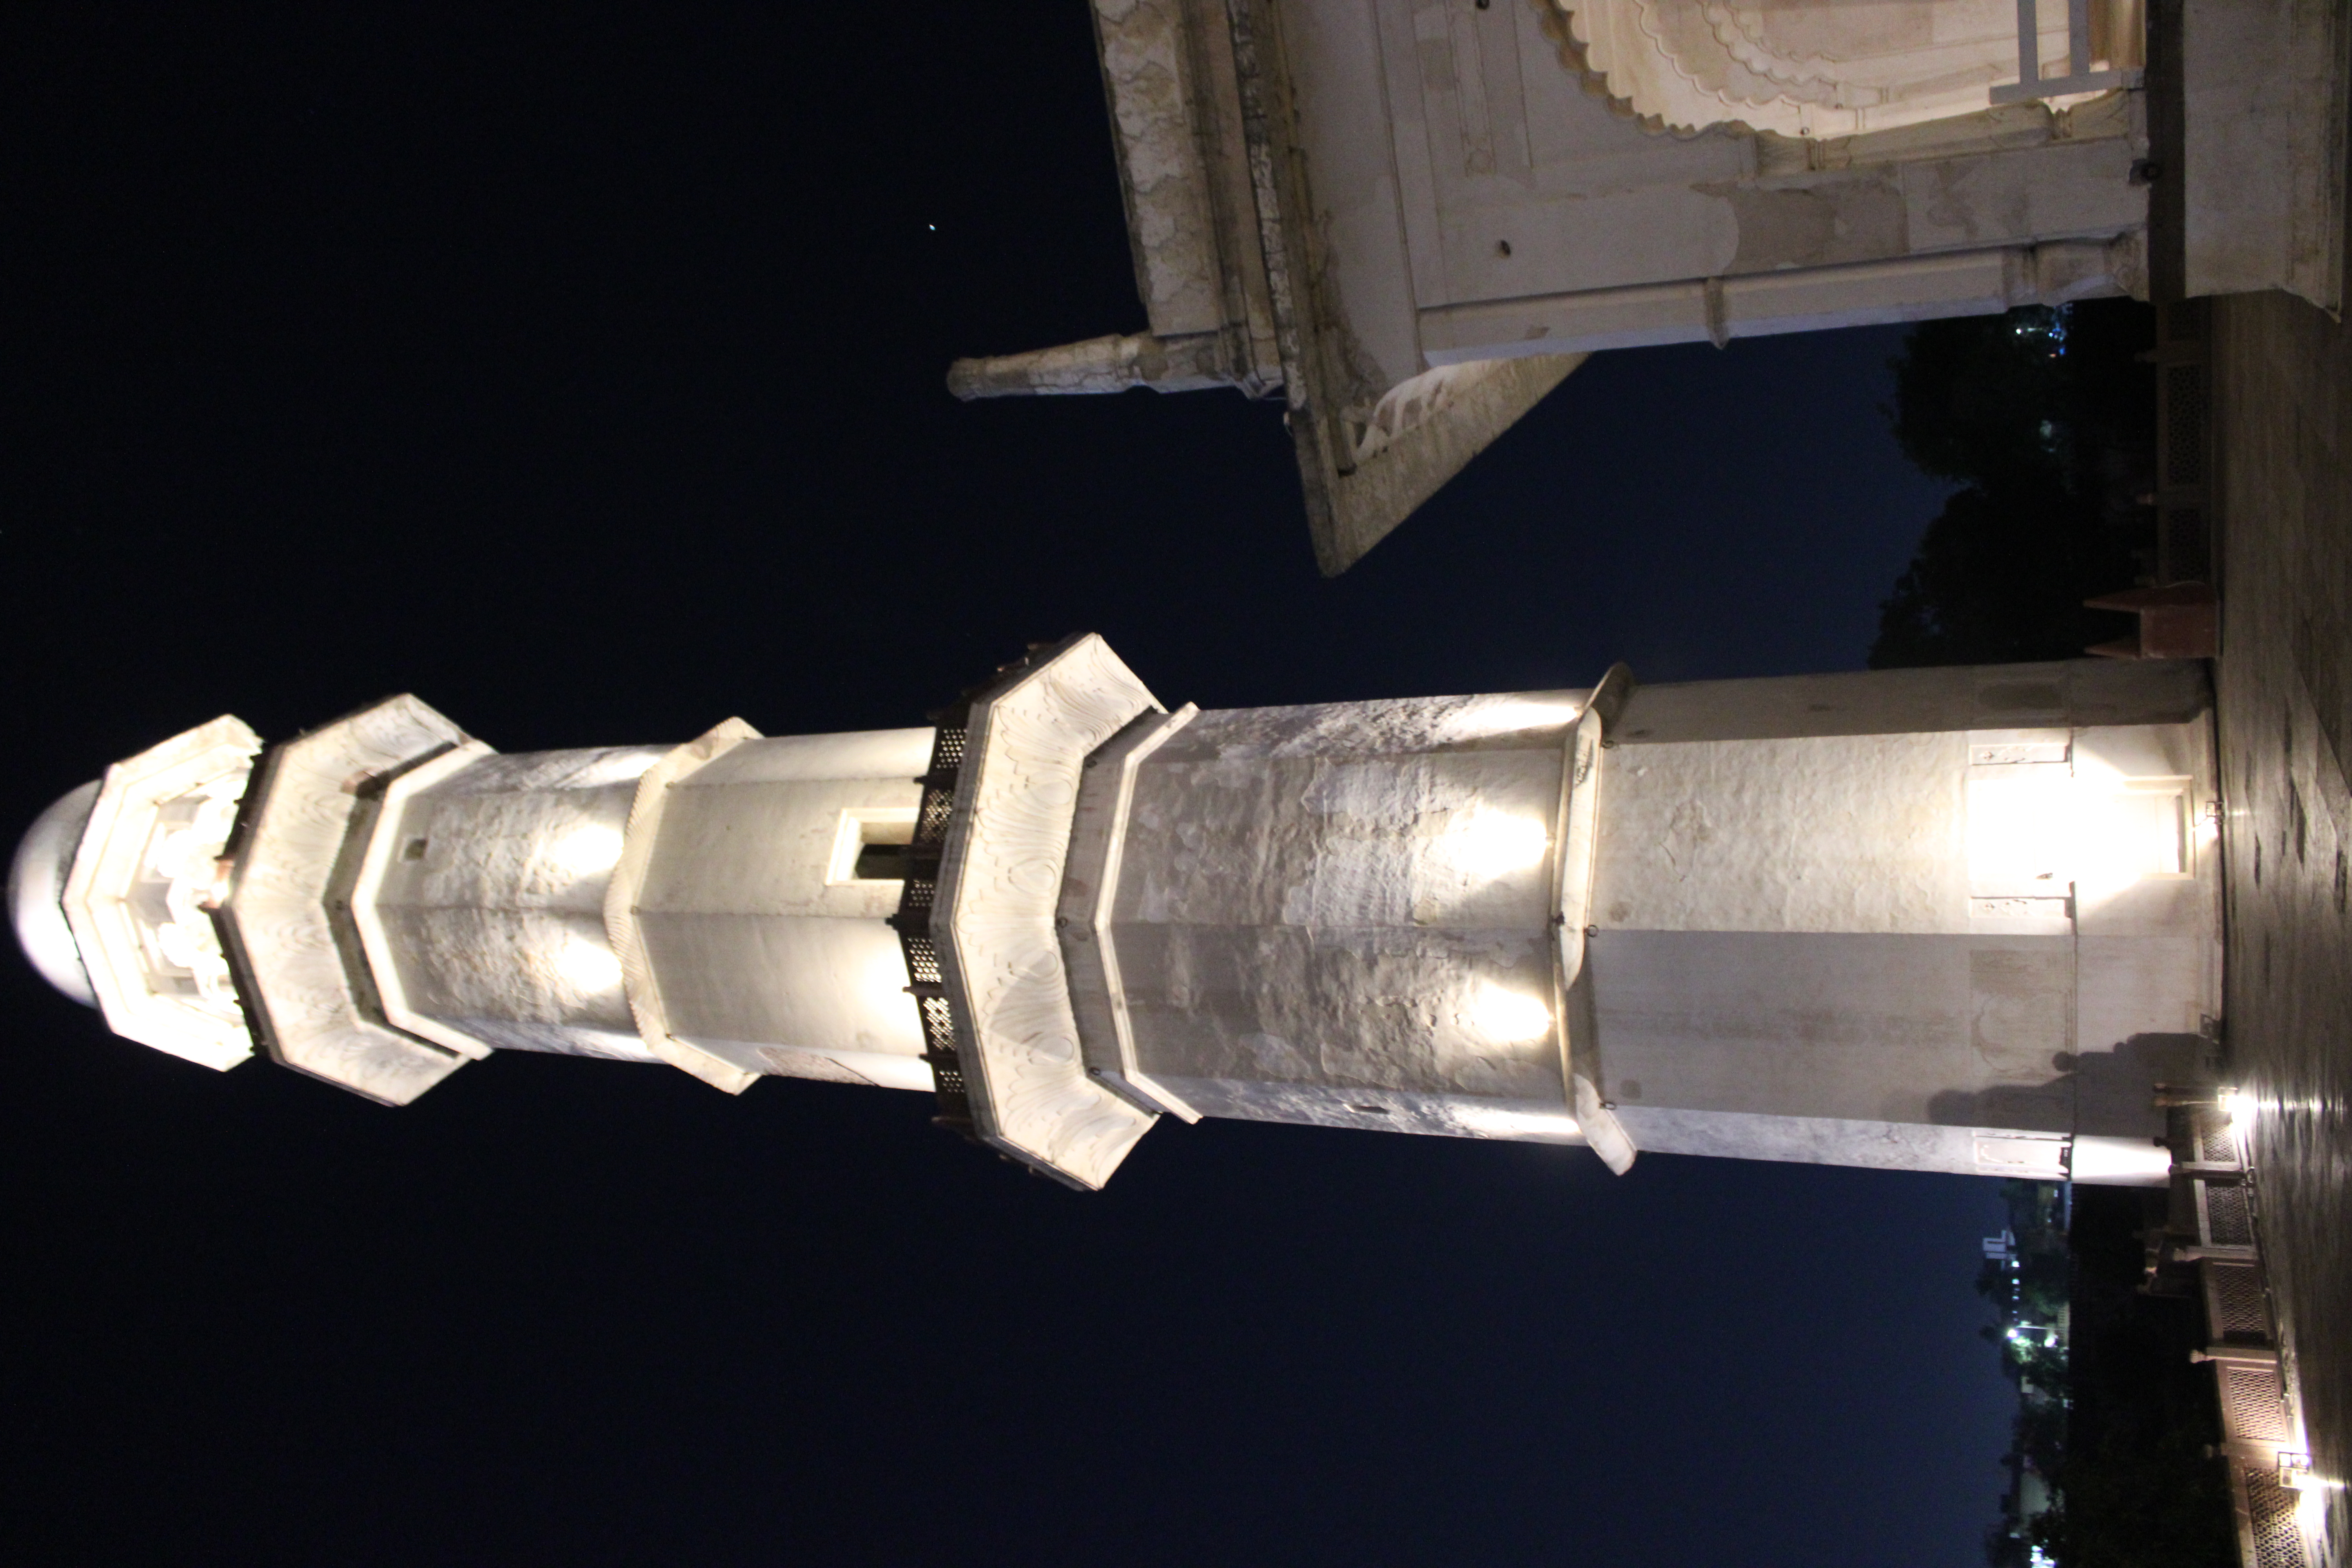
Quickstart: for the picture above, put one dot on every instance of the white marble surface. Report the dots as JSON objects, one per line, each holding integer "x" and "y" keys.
{"x": 310, "y": 982}
{"x": 134, "y": 896}
{"x": 1000, "y": 884}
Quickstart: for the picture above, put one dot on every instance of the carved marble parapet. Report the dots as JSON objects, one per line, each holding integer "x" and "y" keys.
{"x": 1175, "y": 110}
{"x": 1148, "y": 67}
{"x": 287, "y": 917}
{"x": 1001, "y": 881}
{"x": 138, "y": 896}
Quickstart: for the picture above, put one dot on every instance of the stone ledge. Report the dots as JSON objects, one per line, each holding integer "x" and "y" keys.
{"x": 305, "y": 980}
{"x": 999, "y": 883}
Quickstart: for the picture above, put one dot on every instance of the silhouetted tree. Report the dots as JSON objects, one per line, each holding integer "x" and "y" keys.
{"x": 2137, "y": 1487}
{"x": 2047, "y": 421}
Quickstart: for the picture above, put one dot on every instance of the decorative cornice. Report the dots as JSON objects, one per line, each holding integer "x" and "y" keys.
{"x": 1558, "y": 19}
{"x": 154, "y": 837}
{"x": 1000, "y": 882}
{"x": 307, "y": 981}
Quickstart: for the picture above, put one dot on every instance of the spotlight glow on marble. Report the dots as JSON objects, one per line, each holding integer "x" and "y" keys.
{"x": 1507, "y": 1017}
{"x": 589, "y": 966}
{"x": 2097, "y": 834}
{"x": 585, "y": 849}
{"x": 1510, "y": 715}
{"x": 1499, "y": 1124}
{"x": 1494, "y": 843}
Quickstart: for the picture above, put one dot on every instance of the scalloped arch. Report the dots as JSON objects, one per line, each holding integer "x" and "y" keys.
{"x": 1809, "y": 68}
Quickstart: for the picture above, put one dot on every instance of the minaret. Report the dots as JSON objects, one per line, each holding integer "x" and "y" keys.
{"x": 1957, "y": 920}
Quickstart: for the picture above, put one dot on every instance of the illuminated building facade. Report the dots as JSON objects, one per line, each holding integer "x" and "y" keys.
{"x": 1409, "y": 219}
{"x": 1944, "y": 919}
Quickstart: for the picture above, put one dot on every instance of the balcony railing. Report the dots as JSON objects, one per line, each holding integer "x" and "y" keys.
{"x": 2031, "y": 84}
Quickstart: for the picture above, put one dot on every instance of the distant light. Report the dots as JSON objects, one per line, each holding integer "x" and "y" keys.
{"x": 2237, "y": 1106}
{"x": 932, "y": 226}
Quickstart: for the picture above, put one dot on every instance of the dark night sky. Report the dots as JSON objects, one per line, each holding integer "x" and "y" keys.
{"x": 580, "y": 372}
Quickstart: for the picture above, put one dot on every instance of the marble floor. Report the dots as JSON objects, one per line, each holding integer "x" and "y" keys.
{"x": 2282, "y": 386}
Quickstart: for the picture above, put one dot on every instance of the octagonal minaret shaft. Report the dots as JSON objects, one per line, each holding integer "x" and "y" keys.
{"x": 1959, "y": 920}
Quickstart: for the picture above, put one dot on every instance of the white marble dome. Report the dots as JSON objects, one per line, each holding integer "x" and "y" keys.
{"x": 35, "y": 879}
